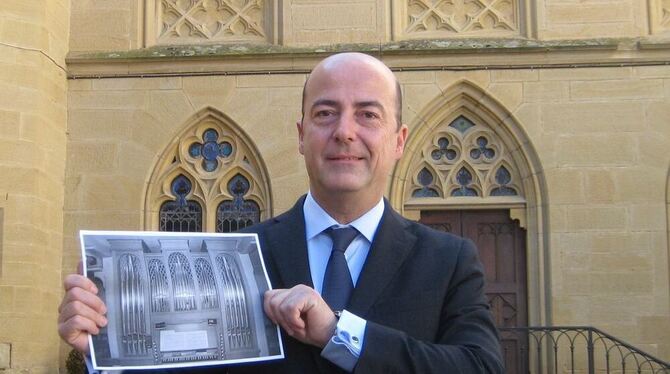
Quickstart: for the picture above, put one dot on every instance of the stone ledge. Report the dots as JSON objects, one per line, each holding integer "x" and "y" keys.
{"x": 460, "y": 54}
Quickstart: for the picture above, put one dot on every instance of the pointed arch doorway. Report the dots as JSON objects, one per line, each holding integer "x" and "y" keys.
{"x": 470, "y": 169}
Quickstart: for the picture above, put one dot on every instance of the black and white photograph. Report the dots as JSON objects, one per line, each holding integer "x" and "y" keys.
{"x": 179, "y": 300}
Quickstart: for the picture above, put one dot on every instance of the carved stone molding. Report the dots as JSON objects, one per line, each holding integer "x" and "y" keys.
{"x": 208, "y": 21}
{"x": 460, "y": 18}
{"x": 659, "y": 14}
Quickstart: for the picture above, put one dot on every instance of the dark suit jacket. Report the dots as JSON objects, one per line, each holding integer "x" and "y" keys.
{"x": 421, "y": 291}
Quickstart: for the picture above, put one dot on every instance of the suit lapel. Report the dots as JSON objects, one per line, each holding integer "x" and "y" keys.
{"x": 286, "y": 241}
{"x": 391, "y": 246}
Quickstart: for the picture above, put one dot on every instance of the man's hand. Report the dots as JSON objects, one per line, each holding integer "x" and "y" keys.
{"x": 302, "y": 313}
{"x": 81, "y": 312}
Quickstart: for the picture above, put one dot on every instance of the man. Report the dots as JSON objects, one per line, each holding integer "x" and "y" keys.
{"x": 417, "y": 305}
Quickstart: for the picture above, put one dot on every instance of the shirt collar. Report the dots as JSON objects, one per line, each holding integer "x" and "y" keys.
{"x": 317, "y": 219}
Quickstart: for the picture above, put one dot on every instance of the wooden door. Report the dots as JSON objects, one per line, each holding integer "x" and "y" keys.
{"x": 502, "y": 250}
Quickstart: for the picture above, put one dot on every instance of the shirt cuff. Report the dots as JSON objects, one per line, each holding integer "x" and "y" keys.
{"x": 344, "y": 348}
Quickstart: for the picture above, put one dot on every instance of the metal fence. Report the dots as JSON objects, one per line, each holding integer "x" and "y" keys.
{"x": 573, "y": 349}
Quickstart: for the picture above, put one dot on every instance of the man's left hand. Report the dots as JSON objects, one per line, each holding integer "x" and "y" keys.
{"x": 302, "y": 313}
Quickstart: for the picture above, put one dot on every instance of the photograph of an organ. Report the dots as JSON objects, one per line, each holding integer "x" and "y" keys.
{"x": 179, "y": 299}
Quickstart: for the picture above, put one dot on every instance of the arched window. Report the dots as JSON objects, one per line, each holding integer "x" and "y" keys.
{"x": 232, "y": 215}
{"x": 181, "y": 215}
{"x": 461, "y": 159}
{"x": 210, "y": 178}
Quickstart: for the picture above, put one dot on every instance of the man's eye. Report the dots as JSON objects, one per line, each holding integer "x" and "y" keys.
{"x": 324, "y": 113}
{"x": 370, "y": 115}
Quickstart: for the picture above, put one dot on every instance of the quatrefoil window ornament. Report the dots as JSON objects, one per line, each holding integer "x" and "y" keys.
{"x": 443, "y": 150}
{"x": 482, "y": 149}
{"x": 210, "y": 150}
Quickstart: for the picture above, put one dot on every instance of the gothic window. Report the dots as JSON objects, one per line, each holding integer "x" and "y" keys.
{"x": 464, "y": 159}
{"x": 440, "y": 19}
{"x": 181, "y": 215}
{"x": 238, "y": 213}
{"x": 211, "y": 178}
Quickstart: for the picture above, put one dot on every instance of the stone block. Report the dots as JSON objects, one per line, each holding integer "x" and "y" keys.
{"x": 319, "y": 23}
{"x": 92, "y": 156}
{"x": 633, "y": 261}
{"x": 658, "y": 116}
{"x": 510, "y": 95}
{"x": 291, "y": 98}
{"x": 576, "y": 282}
{"x": 107, "y": 192}
{"x": 600, "y": 186}
{"x": 640, "y": 183}
{"x": 586, "y": 74}
{"x": 613, "y": 149}
{"x": 515, "y": 75}
{"x": 597, "y": 217}
{"x": 661, "y": 71}
{"x": 5, "y": 356}
{"x": 272, "y": 80}
{"x": 117, "y": 100}
{"x": 148, "y": 132}
{"x": 617, "y": 89}
{"x": 606, "y": 117}
{"x": 549, "y": 91}
{"x": 566, "y": 186}
{"x": 415, "y": 77}
{"x": 558, "y": 219}
{"x": 609, "y": 12}
{"x": 170, "y": 108}
{"x": 99, "y": 124}
{"x": 9, "y": 124}
{"x": 100, "y": 29}
{"x": 79, "y": 84}
{"x": 610, "y": 308}
{"x": 157, "y": 83}
{"x": 648, "y": 216}
{"x": 621, "y": 283}
{"x": 446, "y": 79}
{"x": 23, "y": 33}
{"x": 21, "y": 153}
{"x": 616, "y": 242}
{"x": 416, "y": 96}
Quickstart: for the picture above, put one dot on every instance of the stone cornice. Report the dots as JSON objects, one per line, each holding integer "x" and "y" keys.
{"x": 462, "y": 54}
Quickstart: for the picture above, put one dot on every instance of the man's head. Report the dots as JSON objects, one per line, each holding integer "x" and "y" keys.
{"x": 398, "y": 96}
{"x": 350, "y": 133}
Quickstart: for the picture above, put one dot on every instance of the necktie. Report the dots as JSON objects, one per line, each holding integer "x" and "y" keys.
{"x": 337, "y": 284}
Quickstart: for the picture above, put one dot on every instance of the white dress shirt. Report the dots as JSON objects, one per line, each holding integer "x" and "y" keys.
{"x": 344, "y": 348}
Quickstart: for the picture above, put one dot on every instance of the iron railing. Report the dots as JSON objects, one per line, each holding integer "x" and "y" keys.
{"x": 573, "y": 349}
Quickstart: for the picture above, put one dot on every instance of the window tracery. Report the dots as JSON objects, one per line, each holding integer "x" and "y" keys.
{"x": 211, "y": 179}
{"x": 464, "y": 159}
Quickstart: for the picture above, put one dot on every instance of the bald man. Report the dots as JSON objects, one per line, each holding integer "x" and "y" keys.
{"x": 417, "y": 304}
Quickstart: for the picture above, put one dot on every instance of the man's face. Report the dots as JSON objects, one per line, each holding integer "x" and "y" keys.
{"x": 349, "y": 135}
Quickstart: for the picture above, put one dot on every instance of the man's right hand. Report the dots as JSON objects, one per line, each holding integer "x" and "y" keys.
{"x": 81, "y": 312}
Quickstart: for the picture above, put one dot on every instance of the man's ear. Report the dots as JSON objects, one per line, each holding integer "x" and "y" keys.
{"x": 401, "y": 139}
{"x": 300, "y": 136}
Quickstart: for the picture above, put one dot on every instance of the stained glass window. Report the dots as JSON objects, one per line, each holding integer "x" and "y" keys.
{"x": 210, "y": 150}
{"x": 425, "y": 178}
{"x": 180, "y": 215}
{"x": 238, "y": 213}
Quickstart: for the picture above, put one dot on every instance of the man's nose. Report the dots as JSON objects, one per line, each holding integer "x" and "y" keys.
{"x": 346, "y": 128}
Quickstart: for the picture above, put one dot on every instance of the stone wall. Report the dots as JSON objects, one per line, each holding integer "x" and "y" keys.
{"x": 601, "y": 136}
{"x": 125, "y": 24}
{"x": 33, "y": 118}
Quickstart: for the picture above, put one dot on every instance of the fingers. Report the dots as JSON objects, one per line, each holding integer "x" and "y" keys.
{"x": 81, "y": 289}
{"x": 81, "y": 312}
{"x": 77, "y": 280}
{"x": 282, "y": 307}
